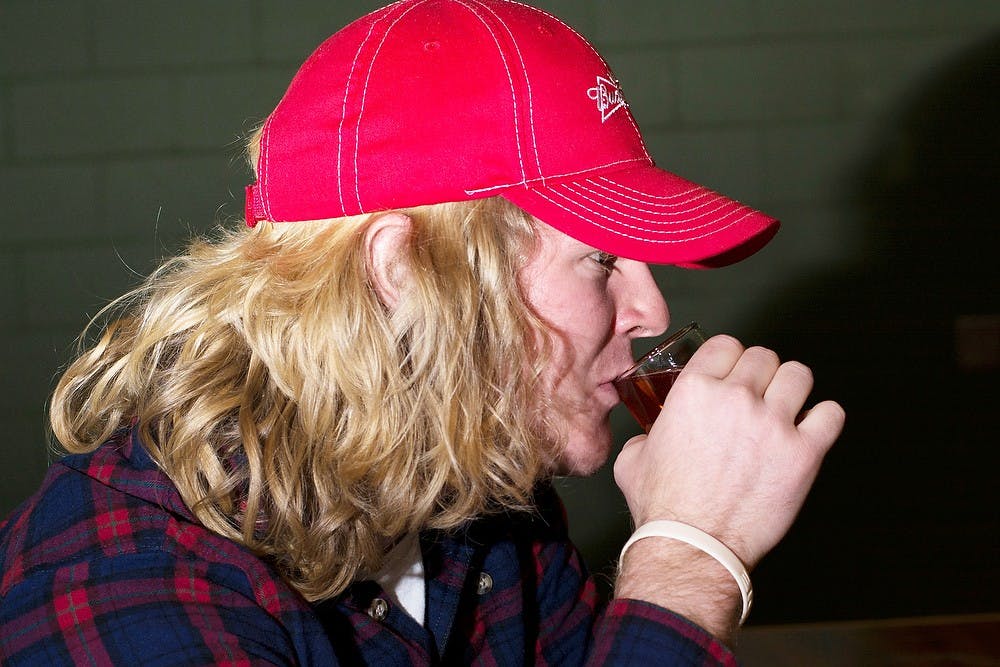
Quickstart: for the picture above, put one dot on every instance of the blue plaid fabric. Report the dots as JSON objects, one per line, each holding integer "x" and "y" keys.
{"x": 106, "y": 566}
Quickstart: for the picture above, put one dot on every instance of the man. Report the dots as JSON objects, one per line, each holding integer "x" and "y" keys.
{"x": 327, "y": 437}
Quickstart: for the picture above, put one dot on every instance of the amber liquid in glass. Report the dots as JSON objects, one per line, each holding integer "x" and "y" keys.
{"x": 643, "y": 395}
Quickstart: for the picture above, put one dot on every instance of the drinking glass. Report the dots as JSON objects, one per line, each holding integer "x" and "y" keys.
{"x": 644, "y": 387}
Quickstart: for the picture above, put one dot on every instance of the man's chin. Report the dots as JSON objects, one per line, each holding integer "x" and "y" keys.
{"x": 582, "y": 458}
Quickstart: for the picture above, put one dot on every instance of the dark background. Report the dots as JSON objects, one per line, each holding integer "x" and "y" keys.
{"x": 869, "y": 128}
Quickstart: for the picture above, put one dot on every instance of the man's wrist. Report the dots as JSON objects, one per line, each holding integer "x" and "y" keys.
{"x": 683, "y": 579}
{"x": 688, "y": 534}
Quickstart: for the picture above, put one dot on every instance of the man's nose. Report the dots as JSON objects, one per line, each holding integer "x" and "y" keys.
{"x": 642, "y": 310}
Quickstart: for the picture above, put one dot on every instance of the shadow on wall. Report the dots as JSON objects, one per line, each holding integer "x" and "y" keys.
{"x": 904, "y": 518}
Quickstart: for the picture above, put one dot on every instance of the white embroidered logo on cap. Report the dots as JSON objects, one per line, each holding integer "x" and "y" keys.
{"x": 608, "y": 96}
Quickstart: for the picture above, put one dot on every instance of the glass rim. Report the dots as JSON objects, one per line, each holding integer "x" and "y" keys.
{"x": 669, "y": 340}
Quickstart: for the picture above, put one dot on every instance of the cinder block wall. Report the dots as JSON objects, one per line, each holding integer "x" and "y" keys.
{"x": 121, "y": 126}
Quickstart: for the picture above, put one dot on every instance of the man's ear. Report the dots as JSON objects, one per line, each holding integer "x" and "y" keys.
{"x": 387, "y": 239}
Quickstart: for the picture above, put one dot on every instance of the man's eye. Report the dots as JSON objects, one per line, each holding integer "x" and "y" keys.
{"x": 606, "y": 260}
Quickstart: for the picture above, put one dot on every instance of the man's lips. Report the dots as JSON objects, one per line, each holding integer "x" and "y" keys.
{"x": 607, "y": 389}
{"x": 624, "y": 367}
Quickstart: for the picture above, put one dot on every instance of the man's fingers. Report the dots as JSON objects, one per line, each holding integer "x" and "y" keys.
{"x": 623, "y": 462}
{"x": 755, "y": 369}
{"x": 821, "y": 425}
{"x": 789, "y": 389}
{"x": 635, "y": 439}
{"x": 716, "y": 357}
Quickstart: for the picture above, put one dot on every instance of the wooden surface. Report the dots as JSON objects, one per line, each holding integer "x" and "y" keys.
{"x": 941, "y": 641}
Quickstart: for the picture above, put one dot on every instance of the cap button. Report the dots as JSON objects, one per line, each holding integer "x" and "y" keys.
{"x": 485, "y": 584}
{"x": 378, "y": 609}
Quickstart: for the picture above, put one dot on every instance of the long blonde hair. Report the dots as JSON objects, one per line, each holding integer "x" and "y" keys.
{"x": 296, "y": 414}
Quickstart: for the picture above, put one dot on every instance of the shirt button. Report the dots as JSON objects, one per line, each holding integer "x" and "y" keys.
{"x": 485, "y": 583}
{"x": 378, "y": 609}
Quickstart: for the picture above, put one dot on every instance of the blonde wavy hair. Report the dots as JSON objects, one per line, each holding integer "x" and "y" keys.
{"x": 298, "y": 415}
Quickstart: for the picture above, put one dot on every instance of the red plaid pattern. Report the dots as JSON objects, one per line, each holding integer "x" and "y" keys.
{"x": 106, "y": 566}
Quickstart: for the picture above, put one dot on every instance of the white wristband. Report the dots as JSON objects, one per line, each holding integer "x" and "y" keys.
{"x": 700, "y": 540}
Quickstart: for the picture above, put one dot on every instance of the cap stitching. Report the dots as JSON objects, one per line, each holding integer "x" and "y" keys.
{"x": 364, "y": 96}
{"x": 642, "y": 238}
{"x": 665, "y": 220}
{"x": 693, "y": 188}
{"x": 266, "y": 182}
{"x": 593, "y": 50}
{"x": 527, "y": 82}
{"x": 640, "y": 192}
{"x": 528, "y": 181}
{"x": 510, "y": 80}
{"x": 343, "y": 109}
{"x": 689, "y": 205}
{"x": 343, "y": 116}
{"x": 620, "y": 197}
{"x": 377, "y": 17}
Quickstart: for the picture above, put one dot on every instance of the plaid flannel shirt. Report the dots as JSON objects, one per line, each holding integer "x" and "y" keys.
{"x": 105, "y": 565}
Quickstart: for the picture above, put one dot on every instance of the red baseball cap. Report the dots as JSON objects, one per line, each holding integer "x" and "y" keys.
{"x": 431, "y": 101}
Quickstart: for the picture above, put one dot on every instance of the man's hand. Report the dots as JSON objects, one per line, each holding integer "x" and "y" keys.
{"x": 732, "y": 453}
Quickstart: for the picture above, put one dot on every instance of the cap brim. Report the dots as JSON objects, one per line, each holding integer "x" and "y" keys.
{"x": 651, "y": 215}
